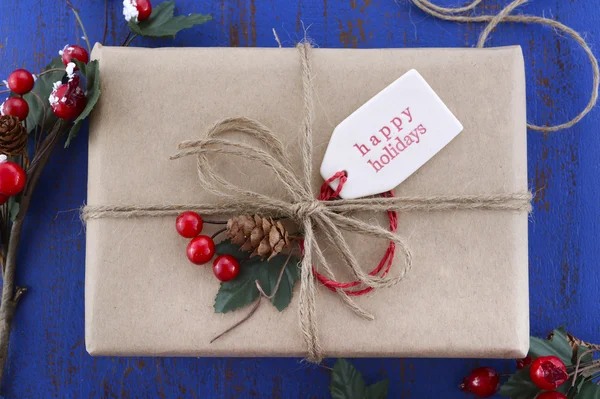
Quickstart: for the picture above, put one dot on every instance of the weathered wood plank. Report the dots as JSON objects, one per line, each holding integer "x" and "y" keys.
{"x": 48, "y": 356}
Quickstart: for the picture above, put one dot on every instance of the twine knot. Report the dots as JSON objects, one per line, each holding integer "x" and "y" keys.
{"x": 304, "y": 210}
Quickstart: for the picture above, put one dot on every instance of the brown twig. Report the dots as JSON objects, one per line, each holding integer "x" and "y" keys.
{"x": 261, "y": 295}
{"x": 260, "y": 289}
{"x": 239, "y": 323}
{"x": 215, "y": 221}
{"x": 80, "y": 22}
{"x": 126, "y": 39}
{"x": 50, "y": 70}
{"x": 218, "y": 232}
{"x": 11, "y": 294}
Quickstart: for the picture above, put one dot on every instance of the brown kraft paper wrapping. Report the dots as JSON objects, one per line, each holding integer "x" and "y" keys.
{"x": 143, "y": 297}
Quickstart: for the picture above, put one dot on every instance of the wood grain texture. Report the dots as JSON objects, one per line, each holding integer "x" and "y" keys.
{"x": 48, "y": 359}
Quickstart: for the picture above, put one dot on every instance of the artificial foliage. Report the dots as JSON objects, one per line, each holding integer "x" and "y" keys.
{"x": 580, "y": 385}
{"x": 557, "y": 367}
{"x": 44, "y": 110}
{"x": 243, "y": 291}
{"x": 348, "y": 383}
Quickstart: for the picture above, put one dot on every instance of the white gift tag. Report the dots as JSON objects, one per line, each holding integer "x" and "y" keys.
{"x": 388, "y": 138}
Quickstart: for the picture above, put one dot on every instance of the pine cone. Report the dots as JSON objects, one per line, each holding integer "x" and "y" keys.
{"x": 13, "y": 136}
{"x": 266, "y": 236}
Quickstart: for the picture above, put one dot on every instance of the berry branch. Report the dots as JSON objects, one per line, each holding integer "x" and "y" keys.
{"x": 47, "y": 110}
{"x": 258, "y": 301}
{"x": 559, "y": 367}
{"x": 11, "y": 295}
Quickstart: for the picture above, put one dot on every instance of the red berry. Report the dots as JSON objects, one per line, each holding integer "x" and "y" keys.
{"x": 68, "y": 100}
{"x": 201, "y": 250}
{"x": 189, "y": 224}
{"x": 226, "y": 267}
{"x": 144, "y": 9}
{"x": 551, "y": 395}
{"x": 16, "y": 106}
{"x": 548, "y": 372}
{"x": 74, "y": 52}
{"x": 522, "y": 363}
{"x": 12, "y": 179}
{"x": 20, "y": 81}
{"x": 483, "y": 382}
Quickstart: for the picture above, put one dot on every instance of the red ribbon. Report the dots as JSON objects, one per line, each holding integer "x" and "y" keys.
{"x": 328, "y": 194}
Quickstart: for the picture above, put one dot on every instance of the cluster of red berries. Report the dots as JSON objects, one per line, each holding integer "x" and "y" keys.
{"x": 201, "y": 248}
{"x": 19, "y": 82}
{"x": 546, "y": 372}
{"x": 70, "y": 99}
{"x": 12, "y": 179}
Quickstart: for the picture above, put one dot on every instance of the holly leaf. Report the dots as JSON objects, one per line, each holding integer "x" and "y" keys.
{"x": 242, "y": 290}
{"x": 589, "y": 390}
{"x": 239, "y": 292}
{"x": 519, "y": 386}
{"x": 346, "y": 381}
{"x": 163, "y": 23}
{"x": 226, "y": 247}
{"x": 379, "y": 390}
{"x": 581, "y": 349}
{"x": 91, "y": 72}
{"x": 268, "y": 274}
{"x": 557, "y": 345}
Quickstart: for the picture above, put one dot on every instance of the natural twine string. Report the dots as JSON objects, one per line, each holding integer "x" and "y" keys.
{"x": 328, "y": 217}
{"x": 450, "y": 14}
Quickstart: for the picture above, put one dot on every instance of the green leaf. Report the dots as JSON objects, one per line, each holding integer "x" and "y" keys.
{"x": 13, "y": 208}
{"x": 92, "y": 77}
{"x": 268, "y": 273}
{"x": 569, "y": 390}
{"x": 589, "y": 390}
{"x": 82, "y": 67}
{"x": 379, "y": 390}
{"x": 55, "y": 63}
{"x": 581, "y": 349}
{"x": 519, "y": 386}
{"x": 346, "y": 381}
{"x": 226, "y": 247}
{"x": 242, "y": 290}
{"x": 557, "y": 346}
{"x": 163, "y": 23}
{"x": 237, "y": 293}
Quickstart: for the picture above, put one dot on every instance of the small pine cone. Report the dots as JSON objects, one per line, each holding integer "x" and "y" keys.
{"x": 263, "y": 235}
{"x": 13, "y": 136}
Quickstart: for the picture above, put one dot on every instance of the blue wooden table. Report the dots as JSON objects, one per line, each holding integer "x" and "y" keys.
{"x": 48, "y": 357}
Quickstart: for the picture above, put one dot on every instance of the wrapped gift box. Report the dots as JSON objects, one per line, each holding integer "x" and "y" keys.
{"x": 467, "y": 294}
